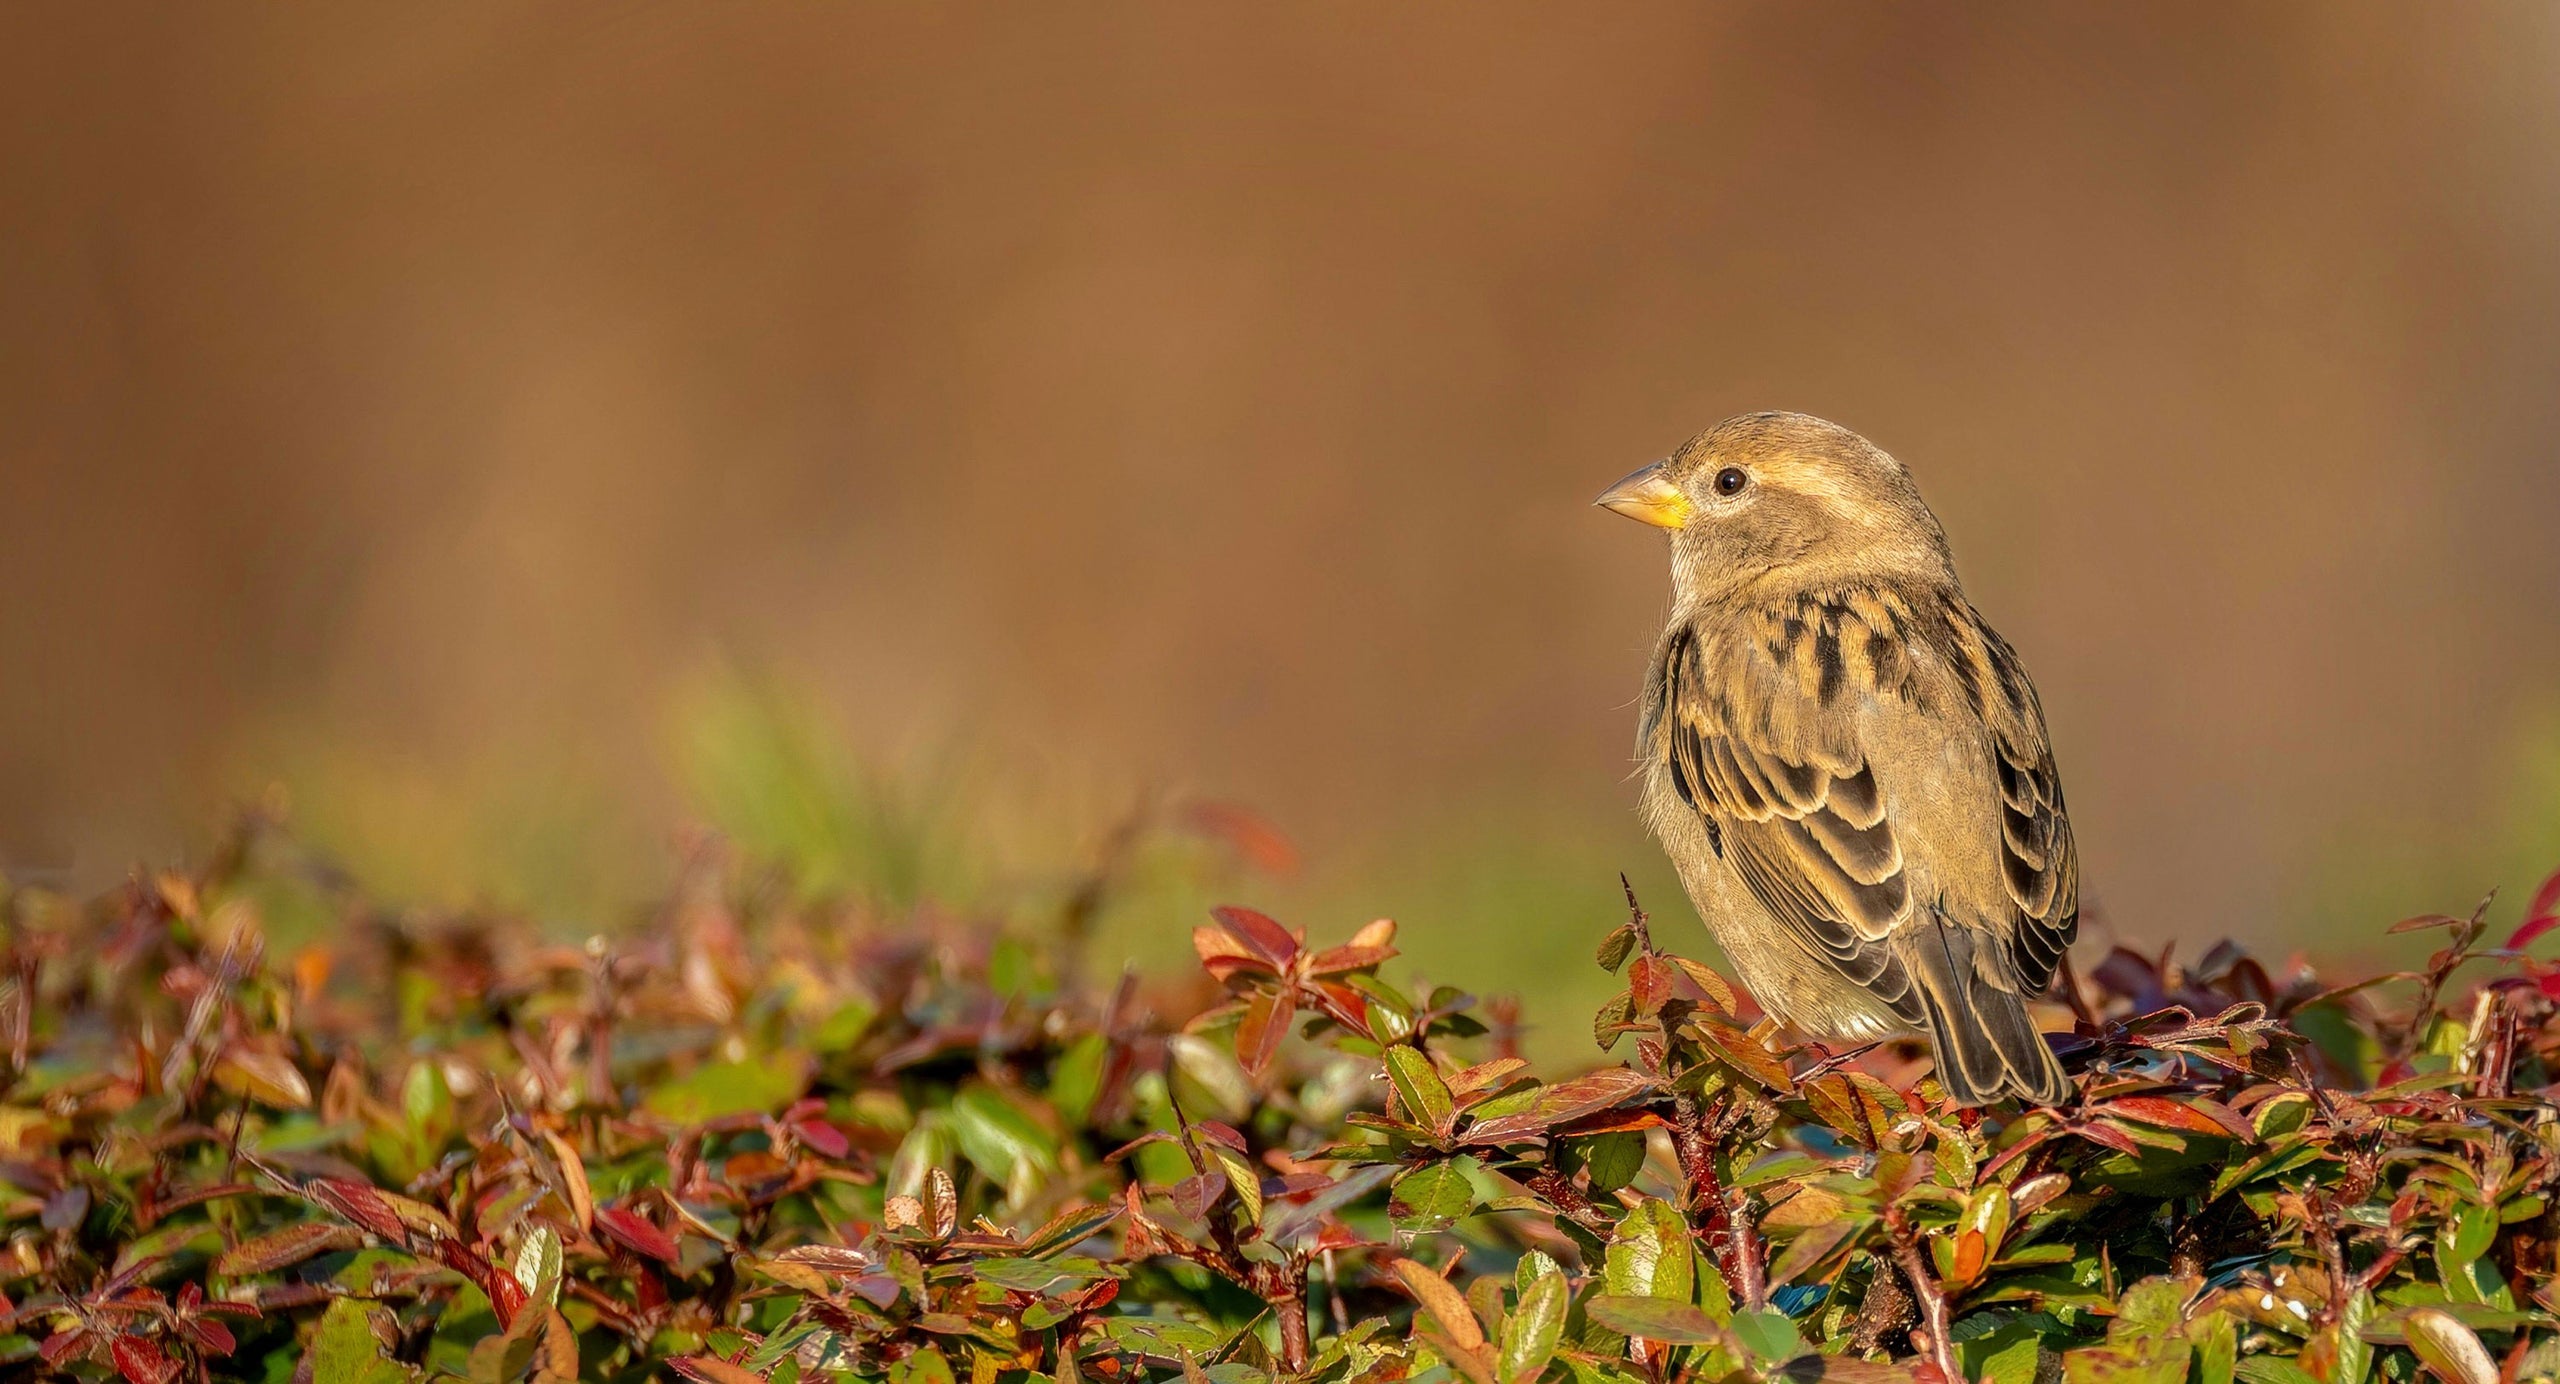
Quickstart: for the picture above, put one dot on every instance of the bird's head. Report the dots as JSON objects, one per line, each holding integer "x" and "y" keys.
{"x": 1783, "y": 496}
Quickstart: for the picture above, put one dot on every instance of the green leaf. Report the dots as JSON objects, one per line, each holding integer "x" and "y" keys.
{"x": 2006, "y": 1355}
{"x": 2282, "y": 1114}
{"x": 426, "y": 1099}
{"x": 2146, "y": 1343}
{"x": 1431, "y": 1197}
{"x": 1041, "y": 1275}
{"x": 537, "y": 1267}
{"x": 1209, "y": 1079}
{"x": 1002, "y": 1141}
{"x": 1075, "y": 1082}
{"x": 2272, "y": 1369}
{"x": 1768, "y": 1335}
{"x": 1615, "y": 947}
{"x": 1649, "y": 1256}
{"x": 2346, "y": 1043}
{"x": 2217, "y": 1341}
{"x": 2448, "y": 1347}
{"x": 2463, "y": 1238}
{"x": 844, "y": 1025}
{"x": 2355, "y": 1356}
{"x": 1655, "y": 1319}
{"x": 1419, "y": 1089}
{"x": 346, "y": 1352}
{"x": 1529, "y": 1337}
{"x": 1611, "y": 1159}
{"x": 2151, "y": 1307}
{"x": 753, "y": 1085}
{"x": 928, "y": 1146}
{"x": 783, "y": 1343}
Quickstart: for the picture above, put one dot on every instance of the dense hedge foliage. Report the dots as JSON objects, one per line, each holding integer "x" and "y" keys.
{"x": 768, "y": 1140}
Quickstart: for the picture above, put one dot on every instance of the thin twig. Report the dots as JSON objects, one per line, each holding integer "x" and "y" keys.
{"x": 1924, "y": 1288}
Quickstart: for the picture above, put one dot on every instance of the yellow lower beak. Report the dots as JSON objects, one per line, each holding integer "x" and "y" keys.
{"x": 1648, "y": 497}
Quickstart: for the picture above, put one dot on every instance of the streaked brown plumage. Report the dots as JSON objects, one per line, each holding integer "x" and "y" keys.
{"x": 1847, "y": 765}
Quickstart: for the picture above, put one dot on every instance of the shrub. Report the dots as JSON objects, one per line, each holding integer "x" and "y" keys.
{"x": 763, "y": 1140}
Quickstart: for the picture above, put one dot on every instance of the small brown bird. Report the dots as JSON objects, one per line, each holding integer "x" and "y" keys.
{"x": 1845, "y": 762}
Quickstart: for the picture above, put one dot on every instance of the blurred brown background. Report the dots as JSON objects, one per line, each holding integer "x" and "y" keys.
{"x": 423, "y": 407}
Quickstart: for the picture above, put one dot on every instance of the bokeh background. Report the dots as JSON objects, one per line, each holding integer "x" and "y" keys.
{"x": 905, "y": 436}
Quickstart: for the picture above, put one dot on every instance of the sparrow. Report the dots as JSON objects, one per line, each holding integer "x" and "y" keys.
{"x": 1846, "y": 764}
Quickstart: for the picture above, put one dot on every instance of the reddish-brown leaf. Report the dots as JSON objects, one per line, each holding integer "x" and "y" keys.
{"x": 506, "y": 1295}
{"x": 1716, "y": 988}
{"x": 1268, "y": 939}
{"x": 573, "y": 1179}
{"x": 1224, "y": 955}
{"x": 1220, "y": 1132}
{"x": 1250, "y": 834}
{"x": 1562, "y": 1103}
{"x": 209, "y": 1336}
{"x": 1485, "y": 1076}
{"x": 2099, "y": 1132}
{"x": 838, "y": 1259}
{"x": 2191, "y": 1115}
{"x": 2540, "y": 915}
{"x": 1266, "y": 1021}
{"x": 62, "y": 1345}
{"x": 822, "y": 1136}
{"x": 711, "y": 1369}
{"x": 359, "y": 1203}
{"x": 284, "y": 1248}
{"x": 1336, "y": 960}
{"x": 636, "y": 1233}
{"x": 141, "y": 1360}
{"x": 1744, "y": 1052}
{"x": 1649, "y": 981}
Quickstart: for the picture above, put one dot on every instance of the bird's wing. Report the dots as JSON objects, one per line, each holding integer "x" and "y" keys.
{"x": 1767, "y": 726}
{"x": 1761, "y": 736}
{"x": 2038, "y": 859}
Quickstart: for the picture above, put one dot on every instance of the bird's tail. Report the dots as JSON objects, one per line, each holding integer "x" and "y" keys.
{"x": 1976, "y": 1014}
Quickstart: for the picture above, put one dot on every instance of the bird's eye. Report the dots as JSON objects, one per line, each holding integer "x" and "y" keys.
{"x": 1731, "y": 479}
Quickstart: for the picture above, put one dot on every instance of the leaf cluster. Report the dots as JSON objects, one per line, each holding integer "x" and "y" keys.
{"x": 766, "y": 1139}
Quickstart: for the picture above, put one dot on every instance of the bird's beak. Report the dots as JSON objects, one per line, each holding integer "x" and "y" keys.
{"x": 1648, "y": 497}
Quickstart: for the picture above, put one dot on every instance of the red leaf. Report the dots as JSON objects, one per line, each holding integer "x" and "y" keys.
{"x": 711, "y": 1369}
{"x": 2540, "y": 916}
{"x": 1220, "y": 1132}
{"x": 1336, "y": 960}
{"x": 636, "y": 1233}
{"x": 1223, "y": 954}
{"x": 210, "y": 1337}
{"x": 141, "y": 1360}
{"x": 2533, "y": 927}
{"x": 2097, "y": 1132}
{"x": 359, "y": 1203}
{"x": 2174, "y": 1114}
{"x": 506, "y": 1296}
{"x": 1258, "y": 1034}
{"x": 1562, "y": 1103}
{"x": 1649, "y": 980}
{"x": 1268, "y": 939}
{"x": 822, "y": 1136}
{"x": 62, "y": 1345}
{"x": 1253, "y": 836}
